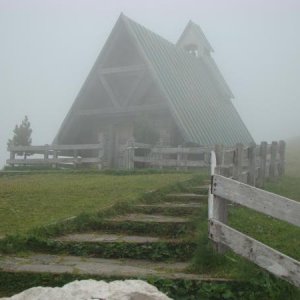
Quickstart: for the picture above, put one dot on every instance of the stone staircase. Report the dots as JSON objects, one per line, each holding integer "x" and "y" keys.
{"x": 151, "y": 240}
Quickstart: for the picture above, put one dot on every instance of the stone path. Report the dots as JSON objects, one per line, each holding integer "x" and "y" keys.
{"x": 148, "y": 218}
{"x": 176, "y": 210}
{"x": 43, "y": 263}
{"x": 172, "y": 205}
{"x": 94, "y": 237}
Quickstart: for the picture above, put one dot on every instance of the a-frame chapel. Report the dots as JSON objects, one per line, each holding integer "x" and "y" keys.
{"x": 140, "y": 81}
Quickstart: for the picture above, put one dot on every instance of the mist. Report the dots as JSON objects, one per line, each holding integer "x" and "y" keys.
{"x": 48, "y": 47}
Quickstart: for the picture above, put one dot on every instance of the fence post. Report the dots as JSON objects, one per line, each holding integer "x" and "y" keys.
{"x": 130, "y": 153}
{"x": 55, "y": 155}
{"x": 273, "y": 162}
{"x": 238, "y": 161}
{"x": 281, "y": 166}
{"x": 100, "y": 156}
{"x": 219, "y": 159}
{"x": 252, "y": 164}
{"x": 75, "y": 161}
{"x": 179, "y": 157}
{"x": 100, "y": 150}
{"x": 46, "y": 154}
{"x": 219, "y": 207}
{"x": 263, "y": 161}
{"x": 12, "y": 156}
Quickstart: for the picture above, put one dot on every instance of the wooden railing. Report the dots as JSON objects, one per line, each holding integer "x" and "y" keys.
{"x": 56, "y": 154}
{"x": 225, "y": 189}
{"x": 250, "y": 164}
{"x": 180, "y": 157}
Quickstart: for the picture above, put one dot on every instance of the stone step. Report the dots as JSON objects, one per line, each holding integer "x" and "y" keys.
{"x": 104, "y": 245}
{"x": 172, "y": 205}
{"x": 148, "y": 218}
{"x": 106, "y": 268}
{"x": 186, "y": 197}
{"x": 169, "y": 208}
{"x": 100, "y": 237}
{"x": 150, "y": 224}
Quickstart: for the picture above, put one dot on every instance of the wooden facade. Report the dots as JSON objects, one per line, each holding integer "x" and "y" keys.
{"x": 124, "y": 95}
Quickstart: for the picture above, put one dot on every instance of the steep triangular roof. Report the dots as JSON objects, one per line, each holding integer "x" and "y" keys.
{"x": 202, "y": 111}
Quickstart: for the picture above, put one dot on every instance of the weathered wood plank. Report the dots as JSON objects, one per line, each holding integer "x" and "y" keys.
{"x": 142, "y": 145}
{"x": 273, "y": 261}
{"x": 43, "y": 148}
{"x": 281, "y": 150}
{"x": 170, "y": 162}
{"x": 238, "y": 161}
{"x": 173, "y": 150}
{"x": 273, "y": 161}
{"x": 61, "y": 160}
{"x": 219, "y": 205}
{"x": 123, "y": 69}
{"x": 262, "y": 201}
{"x": 262, "y": 165}
{"x": 122, "y": 110}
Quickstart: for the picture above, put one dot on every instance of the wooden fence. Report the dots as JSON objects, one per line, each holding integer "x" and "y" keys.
{"x": 56, "y": 154}
{"x": 250, "y": 164}
{"x": 144, "y": 155}
{"x": 225, "y": 189}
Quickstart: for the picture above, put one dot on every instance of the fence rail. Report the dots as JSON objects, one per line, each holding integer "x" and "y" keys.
{"x": 56, "y": 154}
{"x": 225, "y": 189}
{"x": 250, "y": 164}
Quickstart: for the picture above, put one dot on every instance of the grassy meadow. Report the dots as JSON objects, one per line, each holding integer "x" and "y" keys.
{"x": 32, "y": 200}
{"x": 275, "y": 233}
{"x": 293, "y": 157}
{"x": 28, "y": 201}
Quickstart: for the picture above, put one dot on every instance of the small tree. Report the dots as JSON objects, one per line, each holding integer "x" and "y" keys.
{"x": 22, "y": 135}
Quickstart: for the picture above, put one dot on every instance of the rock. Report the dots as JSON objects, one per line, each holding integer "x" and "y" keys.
{"x": 97, "y": 290}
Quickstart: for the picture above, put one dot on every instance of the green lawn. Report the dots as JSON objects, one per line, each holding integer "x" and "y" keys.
{"x": 28, "y": 201}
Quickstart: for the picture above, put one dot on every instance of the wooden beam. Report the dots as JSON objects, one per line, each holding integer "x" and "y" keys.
{"x": 109, "y": 92}
{"x": 181, "y": 150}
{"x": 122, "y": 110}
{"x": 170, "y": 162}
{"x": 141, "y": 76}
{"x": 62, "y": 160}
{"x": 273, "y": 261}
{"x": 123, "y": 69}
{"x": 262, "y": 201}
{"x": 43, "y": 148}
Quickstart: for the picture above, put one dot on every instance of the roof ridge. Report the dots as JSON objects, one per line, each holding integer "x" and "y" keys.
{"x": 145, "y": 28}
{"x": 131, "y": 22}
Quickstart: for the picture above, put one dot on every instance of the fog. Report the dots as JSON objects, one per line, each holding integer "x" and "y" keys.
{"x": 48, "y": 47}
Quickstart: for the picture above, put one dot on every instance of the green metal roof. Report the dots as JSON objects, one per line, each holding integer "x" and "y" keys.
{"x": 202, "y": 111}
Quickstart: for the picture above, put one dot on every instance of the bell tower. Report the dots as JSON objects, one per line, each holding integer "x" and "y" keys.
{"x": 194, "y": 41}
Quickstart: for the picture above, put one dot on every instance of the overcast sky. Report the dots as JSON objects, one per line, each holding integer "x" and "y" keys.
{"x": 47, "y": 48}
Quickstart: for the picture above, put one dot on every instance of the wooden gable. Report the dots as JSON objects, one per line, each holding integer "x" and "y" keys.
{"x": 120, "y": 82}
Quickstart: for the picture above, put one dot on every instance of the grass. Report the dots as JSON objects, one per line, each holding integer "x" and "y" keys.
{"x": 35, "y": 200}
{"x": 274, "y": 233}
{"x": 293, "y": 157}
